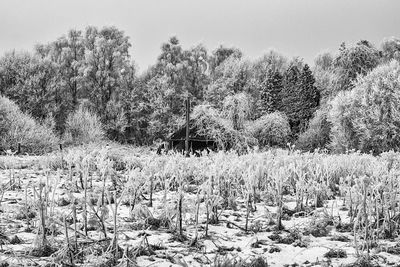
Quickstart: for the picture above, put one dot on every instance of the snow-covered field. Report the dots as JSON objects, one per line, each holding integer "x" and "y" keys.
{"x": 145, "y": 242}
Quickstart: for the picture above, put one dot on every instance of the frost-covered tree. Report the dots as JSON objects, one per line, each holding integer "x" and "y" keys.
{"x": 391, "y": 48}
{"x": 323, "y": 61}
{"x": 67, "y": 55}
{"x": 367, "y": 118}
{"x": 236, "y": 108}
{"x": 325, "y": 76}
{"x": 265, "y": 82}
{"x": 309, "y": 95}
{"x": 106, "y": 59}
{"x": 231, "y": 77}
{"x": 299, "y": 97}
{"x": 354, "y": 61}
{"x": 220, "y": 54}
{"x": 32, "y": 82}
{"x": 271, "y": 60}
{"x": 178, "y": 74}
{"x": 269, "y": 93}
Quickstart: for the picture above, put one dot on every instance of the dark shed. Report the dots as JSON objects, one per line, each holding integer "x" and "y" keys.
{"x": 197, "y": 142}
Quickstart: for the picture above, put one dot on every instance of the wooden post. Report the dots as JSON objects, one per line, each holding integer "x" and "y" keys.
{"x": 187, "y": 126}
{"x": 62, "y": 156}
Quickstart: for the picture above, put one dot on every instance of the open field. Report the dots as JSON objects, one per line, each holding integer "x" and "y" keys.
{"x": 108, "y": 206}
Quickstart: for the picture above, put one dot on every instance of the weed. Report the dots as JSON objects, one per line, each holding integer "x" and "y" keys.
{"x": 336, "y": 253}
{"x": 15, "y": 240}
{"x": 238, "y": 262}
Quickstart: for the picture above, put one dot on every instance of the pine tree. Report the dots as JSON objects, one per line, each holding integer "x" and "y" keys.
{"x": 310, "y": 97}
{"x": 290, "y": 97}
{"x": 277, "y": 85}
{"x": 299, "y": 97}
{"x": 269, "y": 95}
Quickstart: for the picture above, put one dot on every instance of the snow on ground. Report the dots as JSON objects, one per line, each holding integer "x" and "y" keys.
{"x": 223, "y": 240}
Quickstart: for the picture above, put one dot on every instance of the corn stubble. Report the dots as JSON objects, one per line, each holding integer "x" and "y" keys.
{"x": 368, "y": 186}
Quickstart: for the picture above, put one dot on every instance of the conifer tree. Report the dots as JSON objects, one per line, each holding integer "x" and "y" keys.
{"x": 299, "y": 97}
{"x": 290, "y": 97}
{"x": 309, "y": 97}
{"x": 269, "y": 95}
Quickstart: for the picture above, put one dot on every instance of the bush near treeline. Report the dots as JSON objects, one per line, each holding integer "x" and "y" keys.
{"x": 17, "y": 127}
{"x": 34, "y": 137}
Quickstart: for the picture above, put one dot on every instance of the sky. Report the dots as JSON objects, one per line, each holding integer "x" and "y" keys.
{"x": 301, "y": 28}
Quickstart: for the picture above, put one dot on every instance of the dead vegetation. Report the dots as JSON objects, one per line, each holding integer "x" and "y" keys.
{"x": 103, "y": 207}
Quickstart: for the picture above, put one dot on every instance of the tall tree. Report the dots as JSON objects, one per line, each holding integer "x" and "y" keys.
{"x": 177, "y": 74}
{"x": 323, "y": 61}
{"x": 325, "y": 76}
{"x": 269, "y": 93}
{"x": 138, "y": 108}
{"x": 353, "y": 61}
{"x": 106, "y": 58}
{"x": 67, "y": 54}
{"x": 391, "y": 48}
{"x": 367, "y": 118}
{"x": 271, "y": 60}
{"x": 290, "y": 97}
{"x": 31, "y": 82}
{"x": 230, "y": 78}
{"x": 309, "y": 95}
{"x": 14, "y": 71}
{"x": 168, "y": 83}
{"x": 220, "y": 54}
{"x": 299, "y": 97}
{"x": 195, "y": 72}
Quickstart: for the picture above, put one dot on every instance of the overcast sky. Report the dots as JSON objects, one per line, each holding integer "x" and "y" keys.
{"x": 294, "y": 27}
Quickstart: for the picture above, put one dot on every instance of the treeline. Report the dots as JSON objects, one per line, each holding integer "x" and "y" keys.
{"x": 311, "y": 107}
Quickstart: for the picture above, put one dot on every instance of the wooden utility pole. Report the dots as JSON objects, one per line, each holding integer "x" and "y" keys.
{"x": 187, "y": 126}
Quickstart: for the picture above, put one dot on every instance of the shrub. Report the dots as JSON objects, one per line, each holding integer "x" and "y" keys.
{"x": 271, "y": 130}
{"x": 336, "y": 253}
{"x": 317, "y": 133}
{"x": 317, "y": 229}
{"x": 17, "y": 127}
{"x": 238, "y": 262}
{"x": 83, "y": 127}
